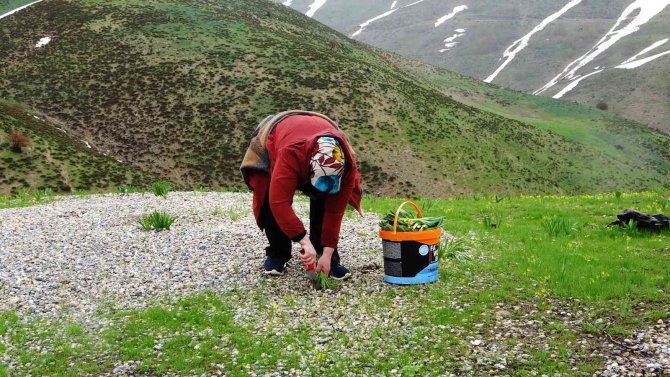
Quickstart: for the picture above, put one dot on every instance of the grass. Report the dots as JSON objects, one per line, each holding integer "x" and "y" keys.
{"x": 157, "y": 221}
{"x": 613, "y": 280}
{"x": 556, "y": 227}
{"x": 25, "y": 198}
{"x": 161, "y": 188}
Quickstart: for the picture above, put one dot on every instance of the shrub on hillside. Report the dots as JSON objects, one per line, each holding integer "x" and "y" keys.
{"x": 18, "y": 141}
{"x": 602, "y": 105}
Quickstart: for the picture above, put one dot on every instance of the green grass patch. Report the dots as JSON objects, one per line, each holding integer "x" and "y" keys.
{"x": 161, "y": 188}
{"x": 156, "y": 220}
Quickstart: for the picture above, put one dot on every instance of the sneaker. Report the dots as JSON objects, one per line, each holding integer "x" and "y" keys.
{"x": 339, "y": 272}
{"x": 274, "y": 266}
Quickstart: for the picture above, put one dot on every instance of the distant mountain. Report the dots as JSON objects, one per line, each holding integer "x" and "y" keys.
{"x": 174, "y": 89}
{"x": 612, "y": 51}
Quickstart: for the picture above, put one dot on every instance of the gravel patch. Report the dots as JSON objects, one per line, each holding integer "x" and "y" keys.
{"x": 77, "y": 255}
{"x": 646, "y": 353}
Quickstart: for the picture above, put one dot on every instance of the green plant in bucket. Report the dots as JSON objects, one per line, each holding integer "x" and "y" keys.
{"x": 409, "y": 223}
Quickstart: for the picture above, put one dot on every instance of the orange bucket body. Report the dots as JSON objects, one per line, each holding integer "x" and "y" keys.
{"x": 410, "y": 257}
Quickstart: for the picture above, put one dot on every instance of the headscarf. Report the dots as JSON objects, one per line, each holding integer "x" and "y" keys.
{"x": 327, "y": 165}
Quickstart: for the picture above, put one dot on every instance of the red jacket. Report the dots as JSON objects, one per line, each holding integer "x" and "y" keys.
{"x": 290, "y": 146}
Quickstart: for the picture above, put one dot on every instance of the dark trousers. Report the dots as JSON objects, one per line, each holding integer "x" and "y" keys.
{"x": 280, "y": 244}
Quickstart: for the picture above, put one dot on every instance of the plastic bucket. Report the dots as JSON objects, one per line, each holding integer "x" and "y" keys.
{"x": 410, "y": 257}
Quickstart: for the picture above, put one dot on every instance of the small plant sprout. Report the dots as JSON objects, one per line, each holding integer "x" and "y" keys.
{"x": 157, "y": 221}
{"x": 161, "y": 188}
{"x": 556, "y": 227}
{"x": 323, "y": 282}
{"x": 22, "y": 195}
{"x": 493, "y": 221}
{"x": 42, "y": 194}
{"x": 453, "y": 248}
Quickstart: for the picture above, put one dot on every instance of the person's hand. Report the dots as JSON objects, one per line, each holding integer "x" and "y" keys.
{"x": 323, "y": 265}
{"x": 324, "y": 261}
{"x": 308, "y": 256}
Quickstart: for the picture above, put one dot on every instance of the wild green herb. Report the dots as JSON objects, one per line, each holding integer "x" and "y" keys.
{"x": 42, "y": 195}
{"x": 557, "y": 226}
{"x": 407, "y": 222}
{"x": 157, "y": 221}
{"x": 493, "y": 221}
{"x": 323, "y": 282}
{"x": 453, "y": 248}
{"x": 22, "y": 195}
{"x": 161, "y": 188}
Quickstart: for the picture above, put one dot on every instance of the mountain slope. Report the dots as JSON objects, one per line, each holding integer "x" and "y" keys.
{"x": 55, "y": 159}
{"x": 176, "y": 88}
{"x": 526, "y": 44}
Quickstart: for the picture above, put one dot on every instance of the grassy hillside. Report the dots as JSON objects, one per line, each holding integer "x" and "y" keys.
{"x": 595, "y": 128}
{"x": 175, "y": 89}
{"x": 55, "y": 160}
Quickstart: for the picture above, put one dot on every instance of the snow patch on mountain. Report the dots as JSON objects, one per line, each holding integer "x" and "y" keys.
{"x": 520, "y": 44}
{"x": 314, "y": 7}
{"x": 451, "y": 41}
{"x": 18, "y": 9}
{"x": 631, "y": 63}
{"x": 643, "y": 11}
{"x": 43, "y": 42}
{"x": 288, "y": 3}
{"x": 635, "y": 62}
{"x": 574, "y": 84}
{"x": 393, "y": 5}
{"x": 365, "y": 24}
{"x": 653, "y": 46}
{"x": 638, "y": 63}
{"x": 451, "y": 15}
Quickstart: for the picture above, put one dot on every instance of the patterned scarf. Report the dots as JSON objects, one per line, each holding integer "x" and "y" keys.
{"x": 327, "y": 165}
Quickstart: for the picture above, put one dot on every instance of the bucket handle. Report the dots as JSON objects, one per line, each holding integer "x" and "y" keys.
{"x": 397, "y": 213}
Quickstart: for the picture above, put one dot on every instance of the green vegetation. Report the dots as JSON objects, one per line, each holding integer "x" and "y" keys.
{"x": 195, "y": 77}
{"x": 556, "y": 227}
{"x": 556, "y": 292}
{"x": 156, "y": 220}
{"x": 54, "y": 160}
{"x": 25, "y": 198}
{"x": 408, "y": 222}
{"x": 323, "y": 282}
{"x": 161, "y": 188}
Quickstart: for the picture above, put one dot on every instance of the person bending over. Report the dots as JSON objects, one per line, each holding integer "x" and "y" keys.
{"x": 305, "y": 151}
